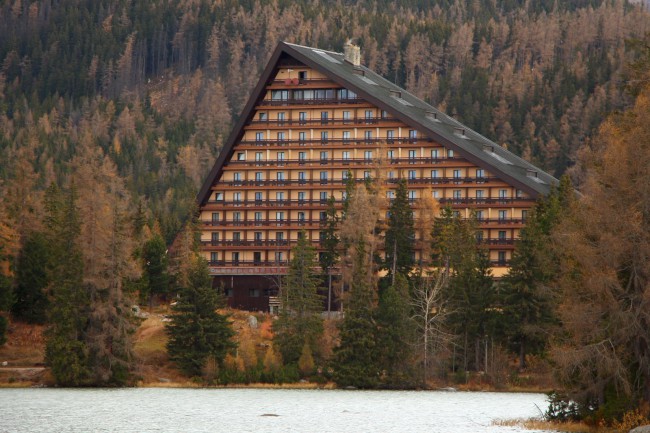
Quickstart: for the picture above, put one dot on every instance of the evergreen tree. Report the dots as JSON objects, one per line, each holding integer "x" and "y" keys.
{"x": 356, "y": 359}
{"x": 197, "y": 331}
{"x": 155, "y": 267}
{"x": 395, "y": 334}
{"x": 400, "y": 235}
{"x": 527, "y": 299}
{"x": 299, "y": 322}
{"x": 6, "y": 297}
{"x": 66, "y": 351}
{"x": 330, "y": 243}
{"x": 469, "y": 295}
{"x": 32, "y": 279}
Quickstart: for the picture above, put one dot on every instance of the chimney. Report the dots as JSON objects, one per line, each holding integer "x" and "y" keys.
{"x": 352, "y": 53}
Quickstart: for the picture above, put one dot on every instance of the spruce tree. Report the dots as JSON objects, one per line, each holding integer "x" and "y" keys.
{"x": 400, "y": 235}
{"x": 299, "y": 322}
{"x": 396, "y": 334}
{"x": 32, "y": 279}
{"x": 197, "y": 331}
{"x": 66, "y": 352}
{"x": 356, "y": 358}
{"x": 528, "y": 301}
{"x": 155, "y": 267}
{"x": 330, "y": 243}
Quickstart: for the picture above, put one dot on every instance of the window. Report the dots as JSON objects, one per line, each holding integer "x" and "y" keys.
{"x": 279, "y": 216}
{"x": 279, "y": 256}
{"x": 235, "y": 258}
{"x": 281, "y": 137}
{"x": 346, "y": 175}
{"x": 302, "y": 137}
{"x": 367, "y": 155}
{"x": 384, "y": 114}
{"x": 302, "y": 156}
{"x": 236, "y": 236}
{"x": 346, "y": 117}
{"x": 503, "y": 215}
{"x": 236, "y": 196}
{"x": 480, "y": 194}
{"x": 301, "y": 176}
{"x": 480, "y": 215}
{"x": 413, "y": 195}
{"x": 524, "y": 215}
{"x": 457, "y": 194}
{"x": 257, "y": 257}
{"x": 259, "y": 176}
{"x": 502, "y": 235}
{"x": 301, "y": 216}
{"x": 366, "y": 174}
{"x": 259, "y": 136}
{"x": 218, "y": 196}
{"x": 413, "y": 134}
{"x": 323, "y": 177}
{"x": 258, "y": 216}
{"x": 346, "y": 136}
{"x": 302, "y": 75}
{"x": 391, "y": 175}
{"x": 279, "y": 195}
{"x": 436, "y": 194}
{"x": 456, "y": 174}
{"x": 346, "y": 156}
{"x": 369, "y": 116}
{"x": 279, "y": 175}
{"x": 257, "y": 236}
{"x": 502, "y": 257}
{"x": 323, "y": 156}
{"x": 301, "y": 196}
{"x": 367, "y": 135}
{"x": 279, "y": 236}
{"x": 435, "y": 154}
{"x": 236, "y": 216}
{"x": 346, "y": 94}
{"x": 450, "y": 153}
{"x": 412, "y": 174}
{"x": 280, "y": 155}
{"x": 412, "y": 155}
{"x": 236, "y": 176}
{"x": 241, "y": 156}
{"x": 390, "y": 136}
{"x": 279, "y": 95}
{"x": 214, "y": 238}
{"x": 480, "y": 173}
{"x": 214, "y": 257}
{"x": 263, "y": 117}
{"x": 503, "y": 193}
{"x": 434, "y": 174}
{"x": 519, "y": 193}
{"x": 322, "y": 216}
{"x": 323, "y": 197}
{"x": 215, "y": 217}
{"x": 324, "y": 136}
{"x": 324, "y": 115}
{"x": 390, "y": 194}
{"x": 258, "y": 156}
{"x": 281, "y": 118}
{"x": 390, "y": 154}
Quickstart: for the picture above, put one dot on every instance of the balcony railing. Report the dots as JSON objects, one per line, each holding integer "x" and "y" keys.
{"x": 320, "y": 101}
{"x": 257, "y": 203}
{"x": 376, "y": 140}
{"x": 253, "y": 243}
{"x": 347, "y": 161}
{"x": 321, "y": 121}
{"x": 266, "y": 222}
{"x": 490, "y": 200}
{"x": 230, "y": 263}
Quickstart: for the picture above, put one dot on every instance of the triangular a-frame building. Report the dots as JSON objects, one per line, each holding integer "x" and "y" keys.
{"x": 317, "y": 117}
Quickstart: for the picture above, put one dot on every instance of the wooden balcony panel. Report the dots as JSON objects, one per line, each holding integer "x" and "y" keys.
{"x": 318, "y": 122}
{"x": 324, "y": 103}
{"x": 297, "y": 143}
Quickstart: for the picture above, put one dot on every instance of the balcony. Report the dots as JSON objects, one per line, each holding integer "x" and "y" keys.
{"x": 319, "y": 121}
{"x": 321, "y": 101}
{"x": 359, "y": 141}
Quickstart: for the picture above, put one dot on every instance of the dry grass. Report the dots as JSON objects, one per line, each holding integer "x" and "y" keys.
{"x": 538, "y": 424}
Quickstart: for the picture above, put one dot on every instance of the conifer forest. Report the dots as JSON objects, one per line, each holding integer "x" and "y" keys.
{"x": 112, "y": 113}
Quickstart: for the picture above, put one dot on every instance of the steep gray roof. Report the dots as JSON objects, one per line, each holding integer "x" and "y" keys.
{"x": 402, "y": 105}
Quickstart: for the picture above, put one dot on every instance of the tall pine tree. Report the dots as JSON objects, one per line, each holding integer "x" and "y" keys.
{"x": 299, "y": 323}
{"x": 400, "y": 235}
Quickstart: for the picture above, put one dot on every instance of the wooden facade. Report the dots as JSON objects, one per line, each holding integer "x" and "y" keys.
{"x": 307, "y": 128}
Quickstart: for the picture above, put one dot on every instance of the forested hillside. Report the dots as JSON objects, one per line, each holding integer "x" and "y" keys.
{"x": 155, "y": 85}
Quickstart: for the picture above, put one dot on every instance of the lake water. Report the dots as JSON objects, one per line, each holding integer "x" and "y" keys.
{"x": 144, "y": 410}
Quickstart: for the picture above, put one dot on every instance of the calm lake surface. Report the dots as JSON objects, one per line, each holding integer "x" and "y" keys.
{"x": 147, "y": 410}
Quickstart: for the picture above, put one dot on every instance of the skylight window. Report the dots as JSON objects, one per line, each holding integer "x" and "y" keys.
{"x": 327, "y": 56}
{"x": 367, "y": 80}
